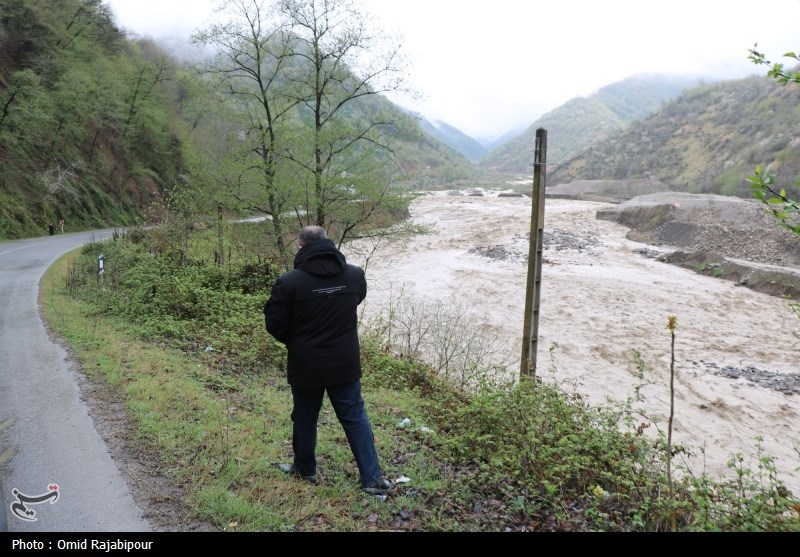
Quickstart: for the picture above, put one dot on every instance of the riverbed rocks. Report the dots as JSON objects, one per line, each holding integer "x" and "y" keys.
{"x": 788, "y": 383}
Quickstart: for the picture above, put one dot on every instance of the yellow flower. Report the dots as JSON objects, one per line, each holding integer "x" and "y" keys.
{"x": 672, "y": 322}
{"x": 599, "y": 492}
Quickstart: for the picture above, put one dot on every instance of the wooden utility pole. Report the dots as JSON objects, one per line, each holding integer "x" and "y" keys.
{"x": 530, "y": 333}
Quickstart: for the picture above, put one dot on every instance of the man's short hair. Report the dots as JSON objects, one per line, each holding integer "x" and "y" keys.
{"x": 311, "y": 234}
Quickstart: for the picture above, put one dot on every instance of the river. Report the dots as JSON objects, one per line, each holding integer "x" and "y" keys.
{"x": 603, "y": 320}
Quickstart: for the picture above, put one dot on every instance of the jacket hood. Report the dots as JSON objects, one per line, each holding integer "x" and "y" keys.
{"x": 321, "y": 259}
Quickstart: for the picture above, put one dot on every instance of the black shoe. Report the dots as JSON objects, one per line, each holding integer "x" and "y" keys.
{"x": 379, "y": 487}
{"x": 291, "y": 470}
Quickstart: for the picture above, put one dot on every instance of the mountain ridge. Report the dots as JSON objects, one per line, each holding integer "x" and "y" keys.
{"x": 708, "y": 140}
{"x": 583, "y": 121}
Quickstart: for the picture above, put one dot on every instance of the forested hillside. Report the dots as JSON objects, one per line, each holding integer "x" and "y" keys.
{"x": 97, "y": 128}
{"x": 90, "y": 129}
{"x": 709, "y": 140}
{"x": 584, "y": 121}
{"x": 453, "y": 137}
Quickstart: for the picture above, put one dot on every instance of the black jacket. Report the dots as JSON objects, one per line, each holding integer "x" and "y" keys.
{"x": 313, "y": 311}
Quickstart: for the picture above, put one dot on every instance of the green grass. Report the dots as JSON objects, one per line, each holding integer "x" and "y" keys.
{"x": 221, "y": 433}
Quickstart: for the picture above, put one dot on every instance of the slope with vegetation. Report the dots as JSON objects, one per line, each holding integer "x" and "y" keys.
{"x": 89, "y": 131}
{"x": 453, "y": 137}
{"x": 584, "y": 121}
{"x": 709, "y": 140}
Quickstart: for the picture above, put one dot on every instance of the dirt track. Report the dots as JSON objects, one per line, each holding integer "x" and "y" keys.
{"x": 603, "y": 299}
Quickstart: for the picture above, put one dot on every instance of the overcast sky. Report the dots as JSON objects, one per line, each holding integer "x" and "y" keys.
{"x": 491, "y": 66}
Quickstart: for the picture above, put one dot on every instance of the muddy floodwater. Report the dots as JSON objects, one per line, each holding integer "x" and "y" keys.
{"x": 603, "y": 315}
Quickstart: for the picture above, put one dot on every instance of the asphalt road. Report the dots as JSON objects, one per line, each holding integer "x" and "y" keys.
{"x": 47, "y": 437}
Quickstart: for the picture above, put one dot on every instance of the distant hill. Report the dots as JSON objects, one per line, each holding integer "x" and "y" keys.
{"x": 497, "y": 142}
{"x": 584, "y": 121}
{"x": 452, "y": 137}
{"x": 708, "y": 140}
{"x": 420, "y": 158}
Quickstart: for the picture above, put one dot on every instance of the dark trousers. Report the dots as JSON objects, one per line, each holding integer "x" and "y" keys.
{"x": 349, "y": 407}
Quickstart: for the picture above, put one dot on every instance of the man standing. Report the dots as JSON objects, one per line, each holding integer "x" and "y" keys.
{"x": 313, "y": 311}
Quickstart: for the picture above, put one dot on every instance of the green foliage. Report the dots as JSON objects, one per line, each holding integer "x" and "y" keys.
{"x": 389, "y": 371}
{"x": 776, "y": 70}
{"x": 555, "y": 459}
{"x": 87, "y": 132}
{"x": 551, "y": 449}
{"x": 764, "y": 185}
{"x": 785, "y": 210}
{"x": 753, "y": 500}
{"x": 537, "y": 455}
{"x": 170, "y": 296}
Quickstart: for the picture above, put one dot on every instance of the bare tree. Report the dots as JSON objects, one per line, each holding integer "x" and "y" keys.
{"x": 59, "y": 180}
{"x": 446, "y": 334}
{"x": 253, "y": 52}
{"x": 306, "y": 78}
{"x": 346, "y": 65}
